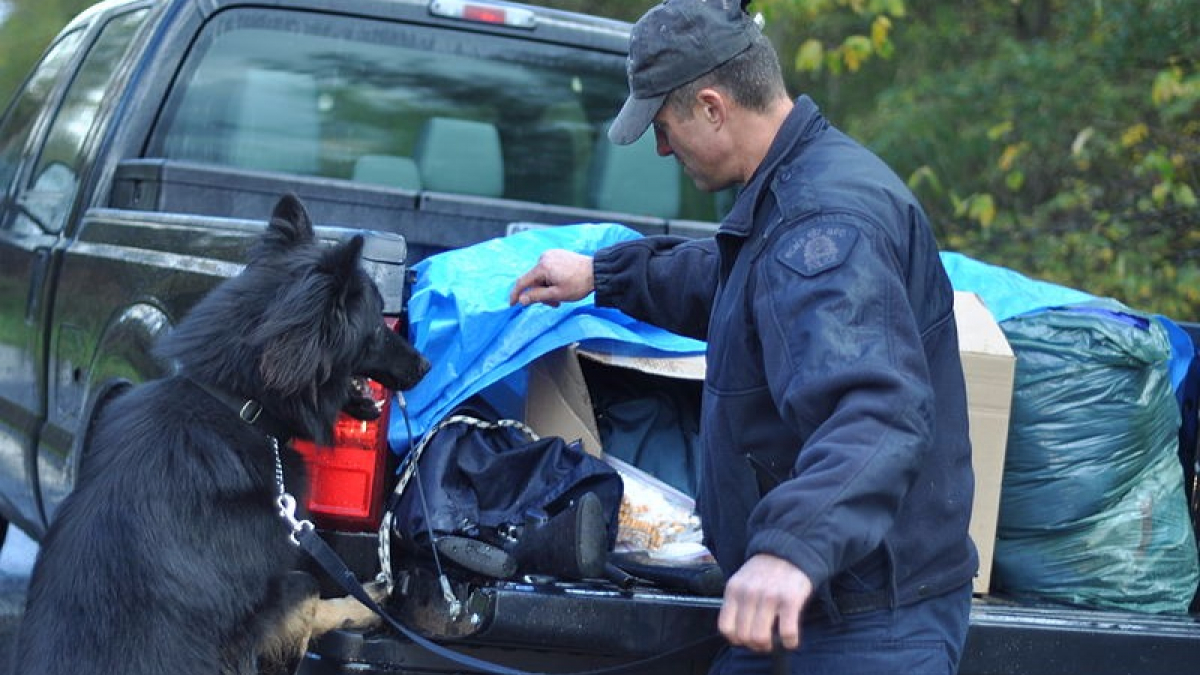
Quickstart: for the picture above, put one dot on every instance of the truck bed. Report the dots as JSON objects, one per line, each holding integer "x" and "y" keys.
{"x": 573, "y": 627}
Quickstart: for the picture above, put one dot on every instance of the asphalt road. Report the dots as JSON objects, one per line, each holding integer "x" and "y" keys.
{"x": 16, "y": 561}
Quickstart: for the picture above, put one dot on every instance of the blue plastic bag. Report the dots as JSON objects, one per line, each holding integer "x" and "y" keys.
{"x": 1093, "y": 510}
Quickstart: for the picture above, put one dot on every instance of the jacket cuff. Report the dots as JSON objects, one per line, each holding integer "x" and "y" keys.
{"x": 606, "y": 276}
{"x": 783, "y": 544}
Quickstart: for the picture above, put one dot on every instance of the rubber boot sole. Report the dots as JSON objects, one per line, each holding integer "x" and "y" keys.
{"x": 477, "y": 556}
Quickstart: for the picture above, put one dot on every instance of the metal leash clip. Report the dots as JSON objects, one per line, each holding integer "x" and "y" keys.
{"x": 287, "y": 511}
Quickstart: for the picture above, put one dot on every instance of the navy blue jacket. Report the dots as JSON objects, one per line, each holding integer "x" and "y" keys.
{"x": 834, "y": 418}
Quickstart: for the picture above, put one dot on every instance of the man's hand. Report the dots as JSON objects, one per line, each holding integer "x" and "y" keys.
{"x": 766, "y": 590}
{"x": 559, "y": 276}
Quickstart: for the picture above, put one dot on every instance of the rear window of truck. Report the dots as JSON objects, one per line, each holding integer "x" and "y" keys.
{"x": 415, "y": 107}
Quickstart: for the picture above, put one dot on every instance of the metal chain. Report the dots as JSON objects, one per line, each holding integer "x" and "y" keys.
{"x": 278, "y": 465}
{"x": 285, "y": 504}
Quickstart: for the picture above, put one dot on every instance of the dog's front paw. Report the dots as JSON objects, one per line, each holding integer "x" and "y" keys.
{"x": 347, "y": 613}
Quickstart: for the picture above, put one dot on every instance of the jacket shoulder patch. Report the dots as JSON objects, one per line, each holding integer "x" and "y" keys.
{"x": 817, "y": 248}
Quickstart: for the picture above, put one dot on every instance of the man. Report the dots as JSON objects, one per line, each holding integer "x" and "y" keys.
{"x": 836, "y": 483}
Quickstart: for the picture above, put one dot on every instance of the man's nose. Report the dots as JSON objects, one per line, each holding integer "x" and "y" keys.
{"x": 663, "y": 145}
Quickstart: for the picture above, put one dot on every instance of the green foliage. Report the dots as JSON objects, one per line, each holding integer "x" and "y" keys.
{"x": 1057, "y": 138}
{"x": 854, "y": 31}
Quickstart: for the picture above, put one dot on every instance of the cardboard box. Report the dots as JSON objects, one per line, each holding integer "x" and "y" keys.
{"x": 988, "y": 367}
{"x": 558, "y": 404}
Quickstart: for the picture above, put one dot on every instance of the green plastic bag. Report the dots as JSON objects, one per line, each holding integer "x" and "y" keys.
{"x": 1092, "y": 509}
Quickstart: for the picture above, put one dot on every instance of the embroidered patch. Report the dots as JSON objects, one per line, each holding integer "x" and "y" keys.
{"x": 817, "y": 248}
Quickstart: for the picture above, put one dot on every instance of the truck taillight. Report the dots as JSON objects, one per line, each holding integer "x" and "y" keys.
{"x": 346, "y": 479}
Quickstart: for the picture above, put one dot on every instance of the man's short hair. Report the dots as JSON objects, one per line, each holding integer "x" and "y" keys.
{"x": 753, "y": 79}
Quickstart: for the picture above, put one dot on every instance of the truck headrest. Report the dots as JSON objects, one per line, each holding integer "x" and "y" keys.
{"x": 391, "y": 170}
{"x": 276, "y": 126}
{"x": 460, "y": 156}
{"x": 633, "y": 178}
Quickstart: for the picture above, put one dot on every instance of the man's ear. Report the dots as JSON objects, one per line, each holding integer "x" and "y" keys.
{"x": 713, "y": 106}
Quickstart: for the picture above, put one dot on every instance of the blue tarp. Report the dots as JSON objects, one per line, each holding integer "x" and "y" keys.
{"x": 1007, "y": 293}
{"x": 459, "y": 317}
{"x": 1010, "y": 294}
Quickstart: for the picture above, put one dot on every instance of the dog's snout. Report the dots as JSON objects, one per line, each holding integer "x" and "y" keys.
{"x": 394, "y": 362}
{"x": 420, "y": 367}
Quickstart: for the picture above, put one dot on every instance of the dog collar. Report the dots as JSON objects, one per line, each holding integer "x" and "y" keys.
{"x": 248, "y": 410}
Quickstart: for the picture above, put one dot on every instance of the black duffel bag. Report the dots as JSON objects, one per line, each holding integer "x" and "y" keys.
{"x": 496, "y": 499}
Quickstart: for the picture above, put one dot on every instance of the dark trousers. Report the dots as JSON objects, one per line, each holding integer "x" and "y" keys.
{"x": 925, "y": 638}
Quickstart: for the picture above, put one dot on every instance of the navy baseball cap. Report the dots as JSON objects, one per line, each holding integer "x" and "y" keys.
{"x": 672, "y": 45}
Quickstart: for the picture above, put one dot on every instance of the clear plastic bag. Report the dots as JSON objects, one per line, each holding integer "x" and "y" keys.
{"x": 656, "y": 518}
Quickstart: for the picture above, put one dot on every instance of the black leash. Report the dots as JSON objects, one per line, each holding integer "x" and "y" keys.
{"x": 314, "y": 546}
{"x": 779, "y": 654}
{"x": 333, "y": 565}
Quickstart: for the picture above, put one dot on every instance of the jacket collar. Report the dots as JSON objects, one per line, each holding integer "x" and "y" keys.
{"x": 800, "y": 127}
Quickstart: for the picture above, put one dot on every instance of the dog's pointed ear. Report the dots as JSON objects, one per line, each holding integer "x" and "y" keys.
{"x": 290, "y": 225}
{"x": 342, "y": 261}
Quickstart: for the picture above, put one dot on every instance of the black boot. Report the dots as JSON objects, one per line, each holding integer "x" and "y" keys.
{"x": 478, "y": 556}
{"x": 571, "y": 544}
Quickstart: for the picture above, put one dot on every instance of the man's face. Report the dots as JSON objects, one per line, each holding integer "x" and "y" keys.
{"x": 695, "y": 143}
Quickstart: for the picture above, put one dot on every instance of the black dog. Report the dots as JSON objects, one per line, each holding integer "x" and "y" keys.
{"x": 169, "y": 556}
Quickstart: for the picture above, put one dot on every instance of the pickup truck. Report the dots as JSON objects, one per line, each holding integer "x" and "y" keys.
{"x": 143, "y": 154}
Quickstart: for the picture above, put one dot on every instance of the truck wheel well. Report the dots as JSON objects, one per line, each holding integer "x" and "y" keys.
{"x": 109, "y": 394}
